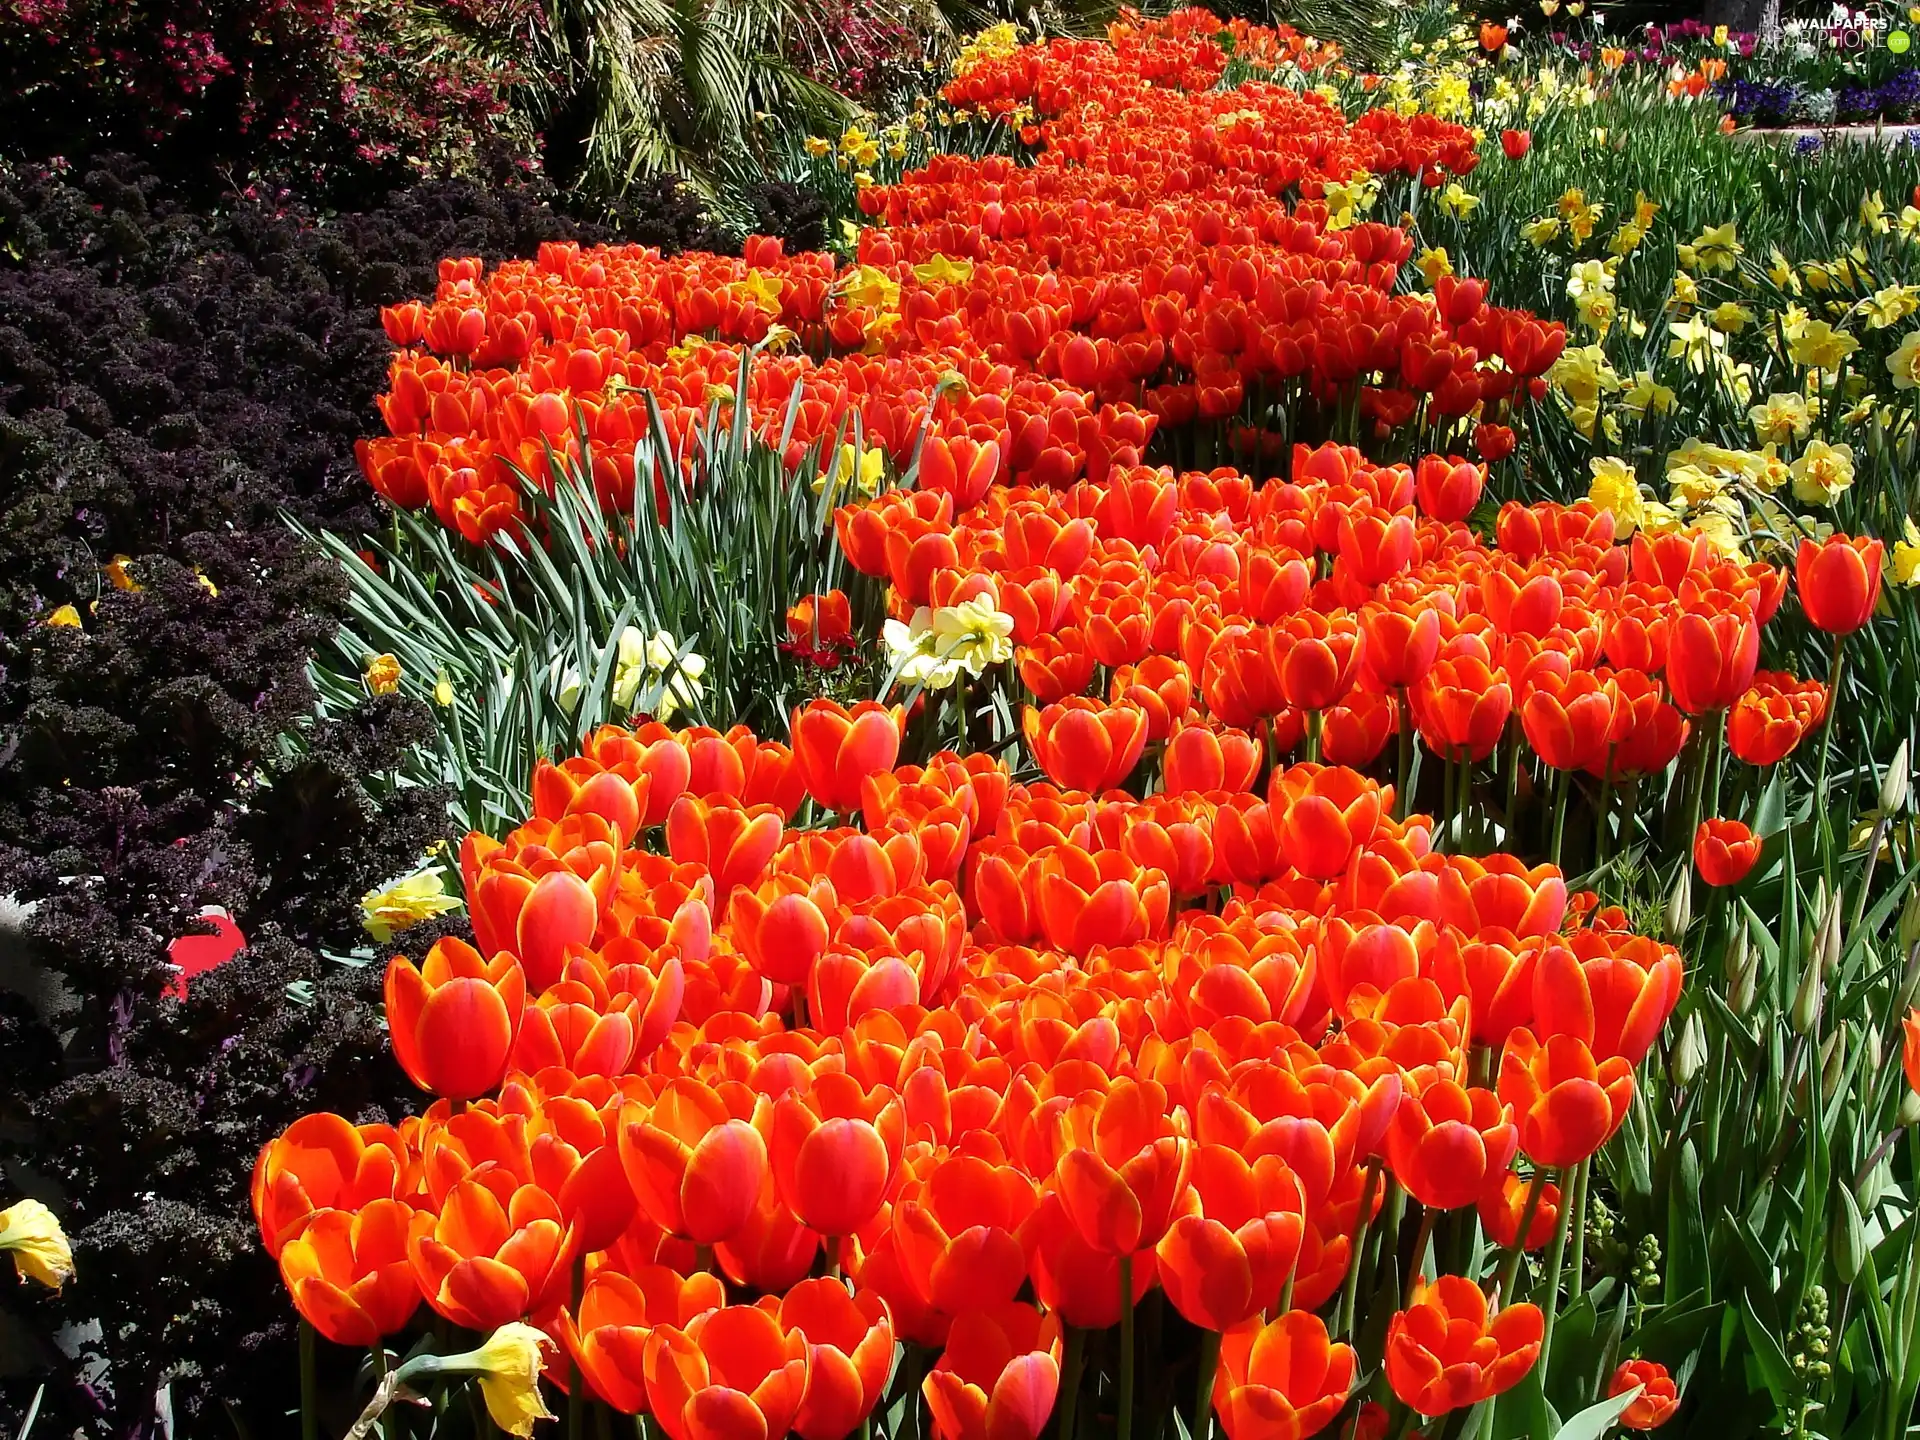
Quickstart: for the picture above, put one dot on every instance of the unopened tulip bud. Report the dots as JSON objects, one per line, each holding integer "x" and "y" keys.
{"x": 1876, "y": 1051}
{"x": 1745, "y": 986}
{"x": 1835, "y": 1055}
{"x": 1806, "y": 1000}
{"x": 1908, "y": 929}
{"x": 1849, "y": 1238}
{"x": 1690, "y": 1055}
{"x": 1893, "y": 785}
{"x": 1734, "y": 958}
{"x": 1910, "y": 982}
{"x": 1910, "y": 1109}
{"x": 1830, "y": 931}
{"x": 1680, "y": 905}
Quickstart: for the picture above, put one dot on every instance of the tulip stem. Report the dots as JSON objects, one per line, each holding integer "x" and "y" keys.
{"x": 1403, "y": 800}
{"x": 576, "y": 1390}
{"x": 1421, "y": 1239}
{"x": 309, "y": 1388}
{"x": 1822, "y": 805}
{"x": 1555, "y": 1259}
{"x": 1362, "y": 1222}
{"x": 1124, "y": 1428}
{"x": 1076, "y": 1360}
{"x": 1203, "y": 1387}
{"x": 1510, "y": 1262}
{"x": 1564, "y": 782}
{"x": 1579, "y": 1223}
{"x": 1313, "y": 736}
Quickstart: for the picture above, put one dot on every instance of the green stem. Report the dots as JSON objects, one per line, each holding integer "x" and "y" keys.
{"x": 1605, "y": 842}
{"x": 1421, "y": 1238}
{"x": 1556, "y": 1258}
{"x": 1076, "y": 1359}
{"x": 1822, "y": 805}
{"x": 1313, "y": 735}
{"x": 1125, "y": 1425}
{"x": 1579, "y": 1223}
{"x": 1357, "y": 1242}
{"x": 1510, "y": 1262}
{"x": 309, "y": 1387}
{"x": 1563, "y": 781}
{"x": 1203, "y": 1386}
{"x": 1513, "y": 794}
{"x": 1403, "y": 802}
{"x": 576, "y": 1389}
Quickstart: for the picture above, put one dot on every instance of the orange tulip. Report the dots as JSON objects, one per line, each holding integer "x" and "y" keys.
{"x": 1658, "y": 1397}
{"x": 956, "y": 1235}
{"x": 1280, "y": 1380}
{"x": 1123, "y": 1170}
{"x": 1200, "y": 758}
{"x": 837, "y": 748}
{"x": 1086, "y": 901}
{"x": 1569, "y": 1105}
{"x": 1444, "y": 1354}
{"x": 730, "y": 1374}
{"x": 481, "y": 1262}
{"x": 1613, "y": 993}
{"x": 1504, "y": 1205}
{"x": 1073, "y": 1279}
{"x": 1774, "y": 716}
{"x": 1084, "y": 745}
{"x": 1462, "y": 705}
{"x": 1327, "y": 814}
{"x": 849, "y": 1354}
{"x": 1446, "y": 1140}
{"x": 734, "y": 841}
{"x": 348, "y": 1275}
{"x": 1910, "y": 1047}
{"x": 1230, "y": 1259}
{"x": 325, "y": 1162}
{"x": 694, "y": 1166}
{"x": 998, "y": 1377}
{"x": 1711, "y": 657}
{"x": 453, "y": 1020}
{"x": 606, "y": 1332}
{"x": 835, "y": 1152}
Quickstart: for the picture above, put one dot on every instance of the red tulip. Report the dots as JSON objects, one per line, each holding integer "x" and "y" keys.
{"x": 348, "y": 1275}
{"x": 1230, "y": 1259}
{"x": 998, "y": 1376}
{"x": 453, "y": 1021}
{"x": 1839, "y": 582}
{"x": 1516, "y": 143}
{"x": 1084, "y": 745}
{"x": 1658, "y": 1397}
{"x": 731, "y": 1374}
{"x": 1569, "y": 1105}
{"x": 1280, "y": 1380}
{"x": 837, "y": 748}
{"x": 1724, "y": 851}
{"x": 1444, "y": 1354}
{"x": 606, "y": 1332}
{"x": 849, "y": 1354}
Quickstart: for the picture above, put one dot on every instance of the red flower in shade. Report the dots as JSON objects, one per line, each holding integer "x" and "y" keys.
{"x": 1658, "y": 1397}
{"x": 1444, "y": 1354}
{"x": 1516, "y": 143}
{"x": 998, "y": 1377}
{"x": 1724, "y": 851}
{"x": 453, "y": 1021}
{"x": 1839, "y": 582}
{"x": 1568, "y": 1105}
{"x": 1280, "y": 1380}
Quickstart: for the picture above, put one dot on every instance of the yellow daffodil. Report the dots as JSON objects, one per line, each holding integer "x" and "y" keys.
{"x": 1906, "y": 557}
{"x": 871, "y": 289}
{"x": 1819, "y": 346}
{"x": 1694, "y": 341}
{"x": 1823, "y": 473}
{"x": 1579, "y": 216}
{"x": 1783, "y": 418}
{"x": 405, "y": 903}
{"x": 1730, "y": 317}
{"x": 972, "y": 634}
{"x": 1685, "y": 291}
{"x": 1873, "y": 214}
{"x": 1716, "y": 248}
{"x": 1457, "y": 201}
{"x": 817, "y": 146}
{"x": 861, "y": 471}
{"x": 442, "y": 688}
{"x": 65, "y": 618}
{"x": 1616, "y": 490}
{"x": 1542, "y": 231}
{"x": 382, "y": 674}
{"x": 31, "y": 1234}
{"x": 1433, "y": 264}
{"x": 943, "y": 270}
{"x": 1889, "y": 305}
{"x": 910, "y": 647}
{"x": 1904, "y": 362}
{"x": 1647, "y": 397}
{"x": 1780, "y": 271}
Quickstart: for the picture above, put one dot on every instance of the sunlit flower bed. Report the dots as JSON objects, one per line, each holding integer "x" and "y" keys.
{"x": 771, "y": 1058}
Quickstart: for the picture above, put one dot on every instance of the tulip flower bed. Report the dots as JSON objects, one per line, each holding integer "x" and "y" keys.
{"x": 1168, "y": 1062}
